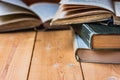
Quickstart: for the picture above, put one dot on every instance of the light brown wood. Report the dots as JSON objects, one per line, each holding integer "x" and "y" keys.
{"x": 15, "y": 55}
{"x": 106, "y": 41}
{"x": 101, "y": 71}
{"x": 53, "y": 57}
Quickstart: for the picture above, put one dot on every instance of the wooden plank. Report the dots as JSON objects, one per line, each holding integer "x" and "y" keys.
{"x": 15, "y": 55}
{"x": 53, "y": 57}
{"x": 93, "y": 71}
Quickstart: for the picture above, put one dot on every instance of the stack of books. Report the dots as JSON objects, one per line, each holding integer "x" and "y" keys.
{"x": 96, "y": 22}
{"x": 97, "y": 27}
{"x": 97, "y": 43}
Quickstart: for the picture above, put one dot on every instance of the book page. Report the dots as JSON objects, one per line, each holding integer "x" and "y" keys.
{"x": 17, "y": 2}
{"x": 107, "y": 4}
{"x": 117, "y": 8}
{"x": 8, "y": 9}
{"x": 45, "y": 11}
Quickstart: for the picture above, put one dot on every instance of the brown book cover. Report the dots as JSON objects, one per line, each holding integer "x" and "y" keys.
{"x": 99, "y": 36}
{"x": 84, "y": 54}
{"x": 98, "y": 56}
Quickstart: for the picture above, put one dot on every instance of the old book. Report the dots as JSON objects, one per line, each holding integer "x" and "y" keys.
{"x": 84, "y": 54}
{"x": 99, "y": 36}
{"x": 85, "y": 11}
{"x": 15, "y": 14}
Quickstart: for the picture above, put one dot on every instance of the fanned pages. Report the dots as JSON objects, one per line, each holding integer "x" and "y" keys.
{"x": 100, "y": 3}
{"x": 85, "y": 11}
{"x": 17, "y": 3}
{"x": 15, "y": 15}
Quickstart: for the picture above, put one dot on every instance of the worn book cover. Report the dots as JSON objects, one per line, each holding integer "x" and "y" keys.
{"x": 99, "y": 36}
{"x": 84, "y": 54}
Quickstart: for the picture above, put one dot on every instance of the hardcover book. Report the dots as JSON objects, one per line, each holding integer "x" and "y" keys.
{"x": 84, "y": 54}
{"x": 85, "y": 11}
{"x": 15, "y": 14}
{"x": 99, "y": 36}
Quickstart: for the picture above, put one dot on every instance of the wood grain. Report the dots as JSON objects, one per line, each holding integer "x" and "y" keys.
{"x": 53, "y": 57}
{"x": 15, "y": 54}
{"x": 101, "y": 71}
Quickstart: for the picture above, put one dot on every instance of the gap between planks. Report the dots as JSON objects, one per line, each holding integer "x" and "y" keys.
{"x": 15, "y": 54}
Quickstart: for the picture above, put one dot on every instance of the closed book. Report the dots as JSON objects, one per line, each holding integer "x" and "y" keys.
{"x": 84, "y": 54}
{"x": 99, "y": 36}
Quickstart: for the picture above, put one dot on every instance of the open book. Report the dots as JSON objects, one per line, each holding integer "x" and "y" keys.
{"x": 85, "y": 11}
{"x": 15, "y": 15}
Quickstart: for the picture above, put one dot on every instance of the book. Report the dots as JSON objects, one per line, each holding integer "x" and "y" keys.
{"x": 84, "y": 54}
{"x": 86, "y": 11}
{"x": 16, "y": 15}
{"x": 99, "y": 36}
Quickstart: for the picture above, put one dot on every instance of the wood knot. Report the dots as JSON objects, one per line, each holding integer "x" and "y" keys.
{"x": 70, "y": 65}
{"x": 56, "y": 65}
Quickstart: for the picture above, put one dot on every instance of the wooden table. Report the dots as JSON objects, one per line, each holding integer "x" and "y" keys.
{"x": 47, "y": 55}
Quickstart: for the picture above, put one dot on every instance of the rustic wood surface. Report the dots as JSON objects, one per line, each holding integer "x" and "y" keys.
{"x": 15, "y": 55}
{"x": 93, "y": 71}
{"x": 53, "y": 57}
{"x": 47, "y": 56}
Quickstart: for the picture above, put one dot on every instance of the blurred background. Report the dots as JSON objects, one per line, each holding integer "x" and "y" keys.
{"x": 34, "y": 1}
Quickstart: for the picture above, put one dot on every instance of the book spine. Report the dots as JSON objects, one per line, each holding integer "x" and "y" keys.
{"x": 86, "y": 34}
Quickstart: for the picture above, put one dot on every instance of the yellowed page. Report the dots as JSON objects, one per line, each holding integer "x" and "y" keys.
{"x": 19, "y": 3}
{"x": 8, "y": 9}
{"x": 107, "y": 4}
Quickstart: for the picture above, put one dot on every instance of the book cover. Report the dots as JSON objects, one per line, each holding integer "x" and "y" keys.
{"x": 84, "y": 54}
{"x": 99, "y": 36}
